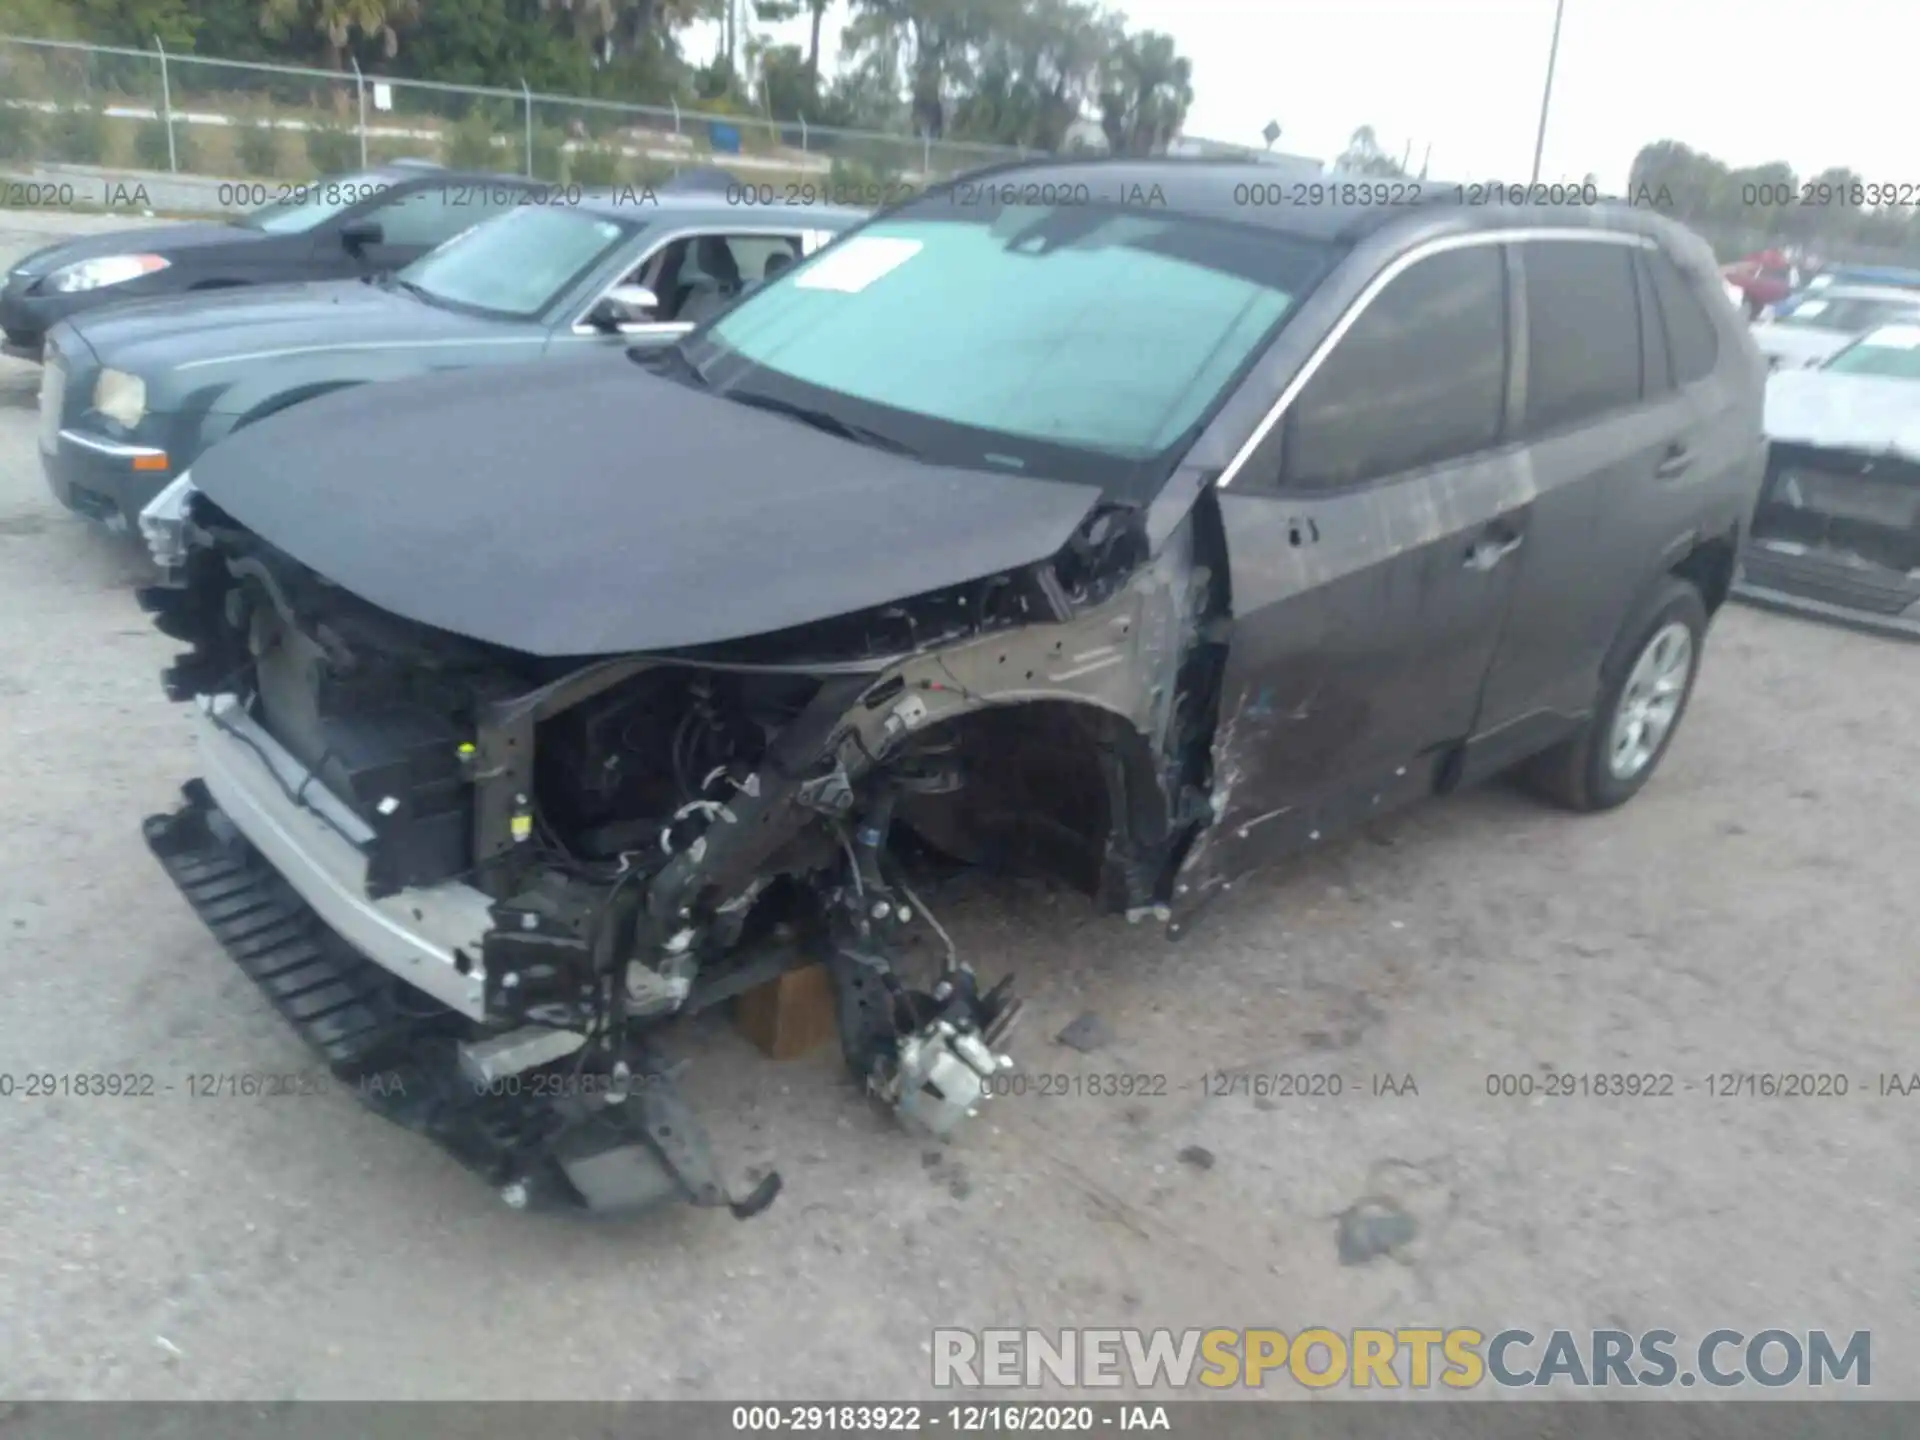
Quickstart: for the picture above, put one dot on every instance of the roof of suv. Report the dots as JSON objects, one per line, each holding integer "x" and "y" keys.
{"x": 1311, "y": 203}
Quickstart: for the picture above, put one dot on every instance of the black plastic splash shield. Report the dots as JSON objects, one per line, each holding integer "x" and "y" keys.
{"x": 386, "y": 1044}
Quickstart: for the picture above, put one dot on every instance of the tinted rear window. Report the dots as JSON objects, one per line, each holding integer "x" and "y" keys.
{"x": 1691, "y": 337}
{"x": 1583, "y": 331}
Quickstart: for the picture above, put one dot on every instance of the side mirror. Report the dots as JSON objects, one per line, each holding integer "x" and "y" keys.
{"x": 624, "y": 305}
{"x": 356, "y": 235}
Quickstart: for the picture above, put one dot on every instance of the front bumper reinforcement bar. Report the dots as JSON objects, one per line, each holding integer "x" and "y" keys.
{"x": 398, "y": 1052}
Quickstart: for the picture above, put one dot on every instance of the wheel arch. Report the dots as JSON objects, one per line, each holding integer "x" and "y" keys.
{"x": 1708, "y": 566}
{"x": 1055, "y": 785}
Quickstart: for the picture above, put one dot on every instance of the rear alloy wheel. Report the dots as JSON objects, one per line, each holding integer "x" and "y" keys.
{"x": 1650, "y": 703}
{"x": 1644, "y": 689}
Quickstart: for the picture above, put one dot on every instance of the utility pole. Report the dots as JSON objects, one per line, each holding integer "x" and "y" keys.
{"x": 1546, "y": 97}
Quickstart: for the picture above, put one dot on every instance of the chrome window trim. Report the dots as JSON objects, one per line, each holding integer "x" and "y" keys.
{"x": 578, "y": 325}
{"x": 659, "y": 328}
{"x": 1396, "y": 267}
{"x": 360, "y": 345}
{"x": 112, "y": 448}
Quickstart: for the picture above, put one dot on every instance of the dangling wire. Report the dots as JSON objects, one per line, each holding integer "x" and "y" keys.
{"x": 853, "y": 863}
{"x": 953, "y": 956}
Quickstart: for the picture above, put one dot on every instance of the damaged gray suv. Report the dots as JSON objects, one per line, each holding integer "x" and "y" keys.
{"x": 1081, "y": 518}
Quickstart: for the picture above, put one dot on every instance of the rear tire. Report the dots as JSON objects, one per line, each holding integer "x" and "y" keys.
{"x": 1644, "y": 687}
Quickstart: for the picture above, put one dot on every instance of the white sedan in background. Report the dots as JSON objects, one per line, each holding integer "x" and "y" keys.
{"x": 1817, "y": 324}
{"x": 1836, "y": 532}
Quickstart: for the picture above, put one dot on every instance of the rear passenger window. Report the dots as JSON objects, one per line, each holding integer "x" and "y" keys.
{"x": 1583, "y": 331}
{"x": 1420, "y": 378}
{"x": 1691, "y": 336}
{"x": 1656, "y": 364}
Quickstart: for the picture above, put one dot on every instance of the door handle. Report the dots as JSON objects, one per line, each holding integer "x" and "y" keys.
{"x": 1490, "y": 549}
{"x": 1675, "y": 462}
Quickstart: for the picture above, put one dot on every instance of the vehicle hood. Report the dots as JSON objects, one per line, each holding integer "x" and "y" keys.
{"x": 252, "y": 322}
{"x": 589, "y": 507}
{"x": 146, "y": 240}
{"x": 1875, "y": 414}
{"x": 1798, "y": 344}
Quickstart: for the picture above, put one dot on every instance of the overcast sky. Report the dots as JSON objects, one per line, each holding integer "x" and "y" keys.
{"x": 1745, "y": 80}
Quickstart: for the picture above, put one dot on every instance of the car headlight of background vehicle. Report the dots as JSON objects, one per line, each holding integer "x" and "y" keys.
{"x": 106, "y": 270}
{"x": 120, "y": 396}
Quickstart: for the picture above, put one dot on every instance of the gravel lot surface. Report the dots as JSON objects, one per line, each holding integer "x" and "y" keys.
{"x": 1754, "y": 911}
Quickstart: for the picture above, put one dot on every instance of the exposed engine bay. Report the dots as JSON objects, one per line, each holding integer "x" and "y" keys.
{"x": 505, "y": 874}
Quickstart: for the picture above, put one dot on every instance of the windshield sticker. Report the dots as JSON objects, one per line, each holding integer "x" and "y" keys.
{"x": 1896, "y": 337}
{"x": 856, "y": 263}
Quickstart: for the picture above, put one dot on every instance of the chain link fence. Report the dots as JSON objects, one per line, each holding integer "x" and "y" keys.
{"x": 68, "y": 103}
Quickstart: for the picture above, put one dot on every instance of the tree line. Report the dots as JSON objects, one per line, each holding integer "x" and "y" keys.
{"x": 1835, "y": 213}
{"x": 1041, "y": 74}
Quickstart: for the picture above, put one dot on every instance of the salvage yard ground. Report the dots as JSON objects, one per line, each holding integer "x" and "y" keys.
{"x": 1754, "y": 911}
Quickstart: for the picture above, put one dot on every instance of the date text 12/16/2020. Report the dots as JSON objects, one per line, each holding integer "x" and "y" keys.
{"x": 198, "y": 1085}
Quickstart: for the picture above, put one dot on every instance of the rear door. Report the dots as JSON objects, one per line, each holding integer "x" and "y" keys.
{"x": 1372, "y": 558}
{"x": 1613, "y": 440}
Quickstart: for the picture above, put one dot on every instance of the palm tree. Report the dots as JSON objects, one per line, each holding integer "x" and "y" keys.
{"x": 337, "y": 20}
{"x": 777, "y": 12}
{"x": 1148, "y": 90}
{"x": 819, "y": 9}
{"x": 1363, "y": 155}
{"x": 599, "y": 22}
